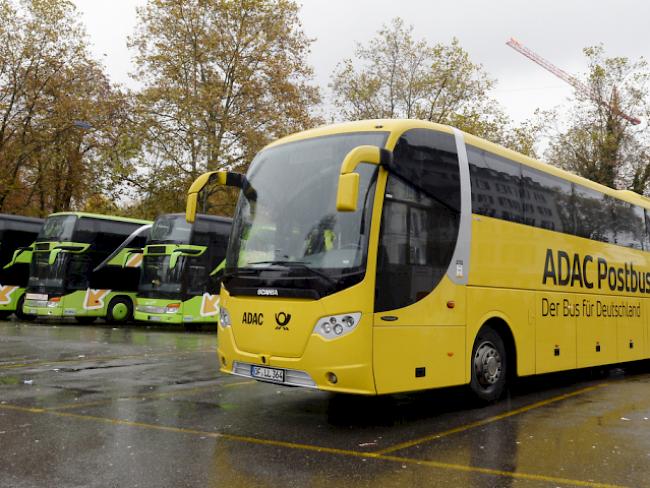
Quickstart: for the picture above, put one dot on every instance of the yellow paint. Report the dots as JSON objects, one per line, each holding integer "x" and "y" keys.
{"x": 480, "y": 423}
{"x": 99, "y": 358}
{"x": 505, "y": 285}
{"x": 329, "y": 450}
{"x": 147, "y": 396}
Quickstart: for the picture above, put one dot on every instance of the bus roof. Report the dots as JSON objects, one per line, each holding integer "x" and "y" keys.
{"x": 397, "y": 126}
{"x": 114, "y": 218}
{"x": 20, "y": 223}
{"x": 212, "y": 218}
{"x": 21, "y": 218}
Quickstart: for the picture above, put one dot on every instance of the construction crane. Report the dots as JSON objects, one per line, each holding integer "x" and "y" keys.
{"x": 572, "y": 80}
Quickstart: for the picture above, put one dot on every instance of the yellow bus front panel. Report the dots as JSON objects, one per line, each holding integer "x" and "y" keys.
{"x": 256, "y": 337}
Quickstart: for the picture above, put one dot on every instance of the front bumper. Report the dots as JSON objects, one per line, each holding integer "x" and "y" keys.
{"x": 148, "y": 314}
{"x": 40, "y": 308}
{"x": 154, "y": 310}
{"x": 348, "y": 359}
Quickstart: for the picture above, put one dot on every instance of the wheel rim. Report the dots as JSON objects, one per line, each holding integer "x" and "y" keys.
{"x": 120, "y": 311}
{"x": 488, "y": 364}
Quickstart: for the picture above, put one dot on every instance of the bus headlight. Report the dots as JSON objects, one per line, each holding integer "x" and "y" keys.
{"x": 173, "y": 308}
{"x": 224, "y": 317}
{"x": 54, "y": 302}
{"x": 334, "y": 326}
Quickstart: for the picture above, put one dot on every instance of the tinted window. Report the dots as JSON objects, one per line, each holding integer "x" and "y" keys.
{"x": 496, "y": 185}
{"x": 171, "y": 228}
{"x": 105, "y": 235}
{"x": 57, "y": 228}
{"x": 428, "y": 160}
{"x": 419, "y": 225}
{"x": 547, "y": 201}
{"x": 628, "y": 226}
{"x": 511, "y": 191}
{"x": 593, "y": 214}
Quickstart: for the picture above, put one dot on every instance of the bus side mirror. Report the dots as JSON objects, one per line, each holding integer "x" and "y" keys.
{"x": 224, "y": 178}
{"x": 348, "y": 192}
{"x": 348, "y": 189}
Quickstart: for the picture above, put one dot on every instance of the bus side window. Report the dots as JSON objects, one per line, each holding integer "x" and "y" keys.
{"x": 497, "y": 186}
{"x": 628, "y": 224}
{"x": 420, "y": 220}
{"x": 547, "y": 201}
{"x": 593, "y": 215}
{"x": 646, "y": 234}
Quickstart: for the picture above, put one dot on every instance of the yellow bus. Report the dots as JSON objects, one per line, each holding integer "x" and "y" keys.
{"x": 386, "y": 256}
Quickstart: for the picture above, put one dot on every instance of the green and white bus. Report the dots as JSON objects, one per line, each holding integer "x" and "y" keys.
{"x": 181, "y": 270}
{"x": 86, "y": 266}
{"x": 17, "y": 235}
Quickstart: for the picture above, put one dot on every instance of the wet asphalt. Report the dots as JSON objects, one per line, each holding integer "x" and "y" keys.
{"x": 98, "y": 406}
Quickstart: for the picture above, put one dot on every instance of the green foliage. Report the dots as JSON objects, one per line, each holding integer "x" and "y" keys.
{"x": 395, "y": 76}
{"x": 593, "y": 140}
{"x": 60, "y": 117}
{"x": 221, "y": 79}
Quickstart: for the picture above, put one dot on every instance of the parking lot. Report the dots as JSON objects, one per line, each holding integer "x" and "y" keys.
{"x": 103, "y": 406}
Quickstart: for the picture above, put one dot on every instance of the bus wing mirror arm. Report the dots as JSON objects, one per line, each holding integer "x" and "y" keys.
{"x": 224, "y": 178}
{"x": 348, "y": 190}
{"x": 143, "y": 230}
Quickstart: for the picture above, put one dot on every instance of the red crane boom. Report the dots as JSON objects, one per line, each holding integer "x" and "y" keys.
{"x": 572, "y": 80}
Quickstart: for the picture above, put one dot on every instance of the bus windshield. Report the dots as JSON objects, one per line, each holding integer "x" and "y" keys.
{"x": 68, "y": 272}
{"x": 292, "y": 226}
{"x": 171, "y": 228}
{"x": 159, "y": 279}
{"x": 57, "y": 228}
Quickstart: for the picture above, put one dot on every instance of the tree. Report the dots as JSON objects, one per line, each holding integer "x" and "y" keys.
{"x": 594, "y": 141}
{"x": 221, "y": 79}
{"x": 59, "y": 115}
{"x": 395, "y": 76}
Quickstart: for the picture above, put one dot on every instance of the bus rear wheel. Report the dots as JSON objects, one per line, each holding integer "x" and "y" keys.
{"x": 120, "y": 310}
{"x": 4, "y": 314}
{"x": 488, "y": 365}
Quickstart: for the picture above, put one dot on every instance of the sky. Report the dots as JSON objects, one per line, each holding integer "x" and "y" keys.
{"x": 557, "y": 30}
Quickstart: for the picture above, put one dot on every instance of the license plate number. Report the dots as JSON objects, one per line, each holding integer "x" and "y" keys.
{"x": 35, "y": 296}
{"x": 270, "y": 374}
{"x": 154, "y": 318}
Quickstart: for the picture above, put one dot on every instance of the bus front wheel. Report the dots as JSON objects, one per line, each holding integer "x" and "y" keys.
{"x": 26, "y": 317}
{"x": 120, "y": 310}
{"x": 488, "y": 365}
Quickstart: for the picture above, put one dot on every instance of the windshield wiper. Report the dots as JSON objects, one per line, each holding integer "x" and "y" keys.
{"x": 300, "y": 265}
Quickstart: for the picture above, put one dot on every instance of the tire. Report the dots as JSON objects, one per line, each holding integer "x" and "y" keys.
{"x": 488, "y": 365}
{"x": 4, "y": 314}
{"x": 120, "y": 310}
{"x": 25, "y": 317}
{"x": 85, "y": 320}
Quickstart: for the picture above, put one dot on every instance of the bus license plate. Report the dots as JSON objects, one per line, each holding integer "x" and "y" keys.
{"x": 269, "y": 374}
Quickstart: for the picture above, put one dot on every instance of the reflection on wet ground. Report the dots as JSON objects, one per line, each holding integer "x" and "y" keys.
{"x": 102, "y": 406}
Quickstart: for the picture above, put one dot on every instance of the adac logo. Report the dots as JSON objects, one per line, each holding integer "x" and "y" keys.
{"x": 282, "y": 319}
